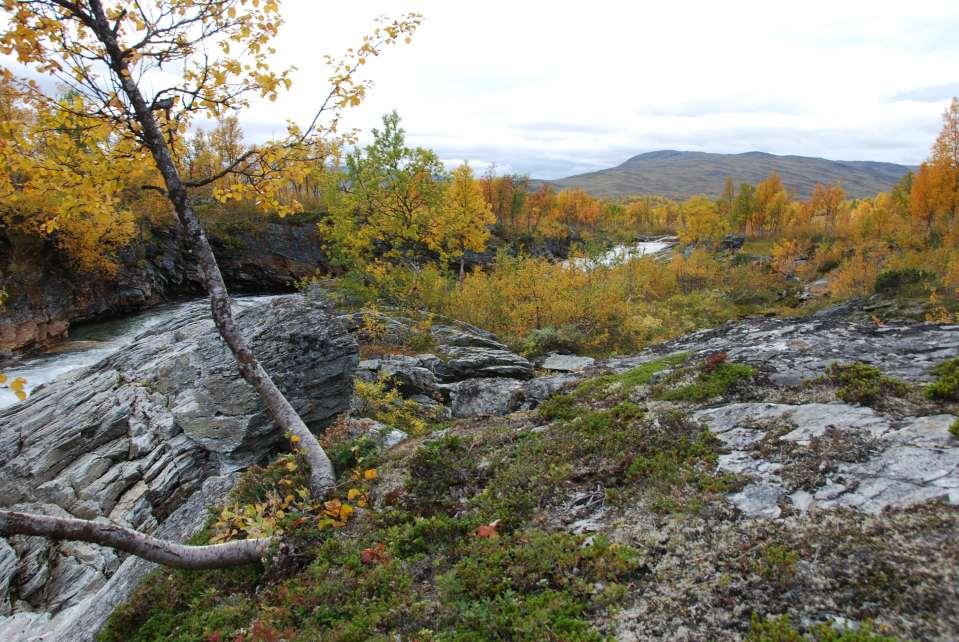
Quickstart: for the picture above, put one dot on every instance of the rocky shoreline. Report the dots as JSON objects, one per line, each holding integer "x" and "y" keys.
{"x": 45, "y": 295}
{"x": 153, "y": 436}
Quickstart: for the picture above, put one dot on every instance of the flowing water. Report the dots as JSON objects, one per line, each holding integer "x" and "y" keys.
{"x": 88, "y": 344}
{"x": 91, "y": 342}
{"x": 622, "y": 253}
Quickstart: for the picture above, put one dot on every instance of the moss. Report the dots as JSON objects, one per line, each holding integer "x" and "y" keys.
{"x": 623, "y": 383}
{"x": 946, "y": 387}
{"x": 710, "y": 383}
{"x": 954, "y": 429}
{"x": 439, "y": 472}
{"x": 780, "y": 629}
{"x": 777, "y": 562}
{"x": 863, "y": 384}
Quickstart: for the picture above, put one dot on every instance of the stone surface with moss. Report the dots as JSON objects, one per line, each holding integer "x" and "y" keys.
{"x": 728, "y": 485}
{"x": 606, "y": 513}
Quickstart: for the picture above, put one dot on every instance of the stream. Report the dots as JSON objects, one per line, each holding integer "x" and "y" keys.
{"x": 90, "y": 343}
{"x": 622, "y": 253}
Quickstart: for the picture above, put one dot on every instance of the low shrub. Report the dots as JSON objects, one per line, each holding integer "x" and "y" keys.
{"x": 946, "y": 387}
{"x": 863, "y": 383}
{"x": 714, "y": 380}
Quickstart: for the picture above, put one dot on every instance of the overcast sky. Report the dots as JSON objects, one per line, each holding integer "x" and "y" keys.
{"x": 557, "y": 88}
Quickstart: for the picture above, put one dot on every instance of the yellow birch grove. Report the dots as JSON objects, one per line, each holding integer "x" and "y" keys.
{"x": 462, "y": 223}
{"x": 68, "y": 178}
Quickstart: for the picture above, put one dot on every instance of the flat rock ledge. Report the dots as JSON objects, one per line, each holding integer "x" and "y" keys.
{"x": 834, "y": 456}
{"x": 150, "y": 438}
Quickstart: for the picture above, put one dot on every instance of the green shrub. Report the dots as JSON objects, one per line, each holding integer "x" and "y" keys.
{"x": 780, "y": 629}
{"x": 905, "y": 281}
{"x": 946, "y": 388}
{"x": 778, "y": 563}
{"x": 520, "y": 586}
{"x": 565, "y": 339}
{"x": 709, "y": 384}
{"x": 623, "y": 383}
{"x": 863, "y": 384}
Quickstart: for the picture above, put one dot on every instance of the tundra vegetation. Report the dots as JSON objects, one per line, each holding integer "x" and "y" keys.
{"x": 449, "y": 536}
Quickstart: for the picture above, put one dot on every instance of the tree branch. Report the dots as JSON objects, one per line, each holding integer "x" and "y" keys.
{"x": 167, "y": 553}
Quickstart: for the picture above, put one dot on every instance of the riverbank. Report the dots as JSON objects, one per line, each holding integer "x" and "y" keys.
{"x": 45, "y": 296}
{"x": 728, "y": 485}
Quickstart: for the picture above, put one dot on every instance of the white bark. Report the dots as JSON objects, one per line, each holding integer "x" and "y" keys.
{"x": 322, "y": 477}
{"x": 134, "y": 542}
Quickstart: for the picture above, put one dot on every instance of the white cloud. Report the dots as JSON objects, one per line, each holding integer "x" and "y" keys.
{"x": 554, "y": 88}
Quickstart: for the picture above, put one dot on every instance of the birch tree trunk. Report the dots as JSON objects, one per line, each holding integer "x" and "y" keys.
{"x": 322, "y": 477}
{"x": 134, "y": 542}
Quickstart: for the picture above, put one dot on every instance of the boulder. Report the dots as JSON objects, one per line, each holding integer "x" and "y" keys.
{"x": 566, "y": 362}
{"x": 472, "y": 362}
{"x": 538, "y": 390}
{"x": 411, "y": 375}
{"x": 466, "y": 336}
{"x": 136, "y": 439}
{"x": 485, "y": 396}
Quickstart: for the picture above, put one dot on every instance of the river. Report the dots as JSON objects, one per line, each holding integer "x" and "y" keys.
{"x": 622, "y": 253}
{"x": 91, "y": 342}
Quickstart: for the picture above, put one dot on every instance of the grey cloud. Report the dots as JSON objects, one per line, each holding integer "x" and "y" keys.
{"x": 928, "y": 94}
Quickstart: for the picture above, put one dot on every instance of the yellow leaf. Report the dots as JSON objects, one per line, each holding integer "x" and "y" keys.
{"x": 370, "y": 474}
{"x": 3, "y": 378}
{"x": 353, "y": 494}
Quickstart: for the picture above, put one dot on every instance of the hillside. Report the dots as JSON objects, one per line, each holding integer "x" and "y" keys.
{"x": 683, "y": 174}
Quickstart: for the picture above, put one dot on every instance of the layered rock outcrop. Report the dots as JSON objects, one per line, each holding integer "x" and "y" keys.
{"x": 150, "y": 438}
{"x": 45, "y": 295}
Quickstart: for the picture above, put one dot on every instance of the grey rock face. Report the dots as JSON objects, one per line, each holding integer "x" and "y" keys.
{"x": 412, "y": 375}
{"x": 50, "y": 297}
{"x": 567, "y": 363}
{"x": 794, "y": 350}
{"x": 464, "y": 335}
{"x": 469, "y": 362}
{"x": 485, "y": 396}
{"x": 538, "y": 390}
{"x": 137, "y": 439}
{"x": 907, "y": 461}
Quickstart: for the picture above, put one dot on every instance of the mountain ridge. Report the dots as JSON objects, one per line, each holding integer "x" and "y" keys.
{"x": 681, "y": 174}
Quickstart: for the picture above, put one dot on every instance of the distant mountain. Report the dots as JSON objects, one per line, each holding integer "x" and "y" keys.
{"x": 679, "y": 175}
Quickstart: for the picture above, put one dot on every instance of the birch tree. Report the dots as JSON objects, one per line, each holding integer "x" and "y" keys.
{"x": 113, "y": 57}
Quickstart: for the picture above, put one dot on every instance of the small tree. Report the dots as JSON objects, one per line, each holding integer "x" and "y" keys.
{"x": 383, "y": 203}
{"x": 101, "y": 51}
{"x": 462, "y": 223}
{"x": 701, "y": 221}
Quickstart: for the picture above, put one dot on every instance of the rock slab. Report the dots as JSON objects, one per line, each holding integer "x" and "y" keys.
{"x": 140, "y": 439}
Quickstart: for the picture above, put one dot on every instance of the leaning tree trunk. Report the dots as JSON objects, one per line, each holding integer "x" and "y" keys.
{"x": 322, "y": 478}
{"x": 164, "y": 552}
